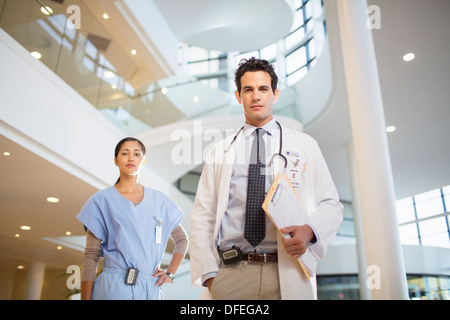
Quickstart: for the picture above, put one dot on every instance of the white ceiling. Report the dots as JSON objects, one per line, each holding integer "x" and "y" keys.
{"x": 416, "y": 100}
{"x": 228, "y": 26}
{"x": 415, "y": 95}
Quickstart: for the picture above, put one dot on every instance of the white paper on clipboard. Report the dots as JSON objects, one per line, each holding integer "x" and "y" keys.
{"x": 285, "y": 209}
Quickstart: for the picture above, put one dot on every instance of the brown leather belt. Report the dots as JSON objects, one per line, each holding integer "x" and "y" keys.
{"x": 260, "y": 257}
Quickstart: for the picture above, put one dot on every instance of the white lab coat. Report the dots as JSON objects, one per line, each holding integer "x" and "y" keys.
{"x": 312, "y": 183}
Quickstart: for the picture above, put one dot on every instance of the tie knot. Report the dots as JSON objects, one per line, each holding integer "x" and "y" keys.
{"x": 260, "y": 132}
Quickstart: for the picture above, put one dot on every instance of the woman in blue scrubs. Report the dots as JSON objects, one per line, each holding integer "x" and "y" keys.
{"x": 129, "y": 225}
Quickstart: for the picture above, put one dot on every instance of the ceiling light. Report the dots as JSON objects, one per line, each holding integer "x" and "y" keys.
{"x": 109, "y": 74}
{"x": 26, "y": 228}
{"x": 164, "y": 90}
{"x": 195, "y": 99}
{"x": 68, "y": 233}
{"x": 105, "y": 16}
{"x": 391, "y": 129}
{"x": 133, "y": 52}
{"x": 59, "y": 247}
{"x": 6, "y": 153}
{"x": 20, "y": 267}
{"x": 52, "y": 200}
{"x": 36, "y": 55}
{"x": 46, "y": 10}
{"x": 17, "y": 235}
{"x": 409, "y": 57}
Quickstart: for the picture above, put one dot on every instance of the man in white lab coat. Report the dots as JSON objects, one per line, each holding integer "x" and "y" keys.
{"x": 222, "y": 260}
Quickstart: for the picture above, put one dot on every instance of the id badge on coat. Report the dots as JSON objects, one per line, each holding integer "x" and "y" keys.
{"x": 297, "y": 168}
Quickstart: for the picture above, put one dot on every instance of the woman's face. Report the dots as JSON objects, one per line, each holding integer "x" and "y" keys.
{"x": 130, "y": 158}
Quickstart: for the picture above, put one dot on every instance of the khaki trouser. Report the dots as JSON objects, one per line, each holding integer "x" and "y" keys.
{"x": 247, "y": 281}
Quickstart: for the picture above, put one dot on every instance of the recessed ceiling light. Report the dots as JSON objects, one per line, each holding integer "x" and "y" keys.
{"x": 105, "y": 16}
{"x": 52, "y": 200}
{"x": 17, "y": 235}
{"x": 68, "y": 233}
{"x": 196, "y": 99}
{"x": 109, "y": 74}
{"x": 36, "y": 55}
{"x": 26, "y": 228}
{"x": 59, "y": 247}
{"x": 409, "y": 57}
{"x": 6, "y": 153}
{"x": 20, "y": 267}
{"x": 46, "y": 10}
{"x": 164, "y": 90}
{"x": 133, "y": 52}
{"x": 391, "y": 129}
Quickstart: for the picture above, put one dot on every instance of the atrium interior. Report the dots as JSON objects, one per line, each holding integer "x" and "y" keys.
{"x": 78, "y": 75}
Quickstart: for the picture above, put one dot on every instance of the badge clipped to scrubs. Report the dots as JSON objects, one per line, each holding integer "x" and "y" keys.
{"x": 158, "y": 230}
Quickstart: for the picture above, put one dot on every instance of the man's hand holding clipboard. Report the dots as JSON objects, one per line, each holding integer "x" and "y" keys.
{"x": 287, "y": 213}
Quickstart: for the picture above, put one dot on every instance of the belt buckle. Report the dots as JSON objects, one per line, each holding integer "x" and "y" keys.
{"x": 249, "y": 259}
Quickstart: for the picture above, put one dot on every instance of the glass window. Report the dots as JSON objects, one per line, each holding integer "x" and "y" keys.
{"x": 310, "y": 25}
{"x": 433, "y": 232}
{"x": 422, "y": 287}
{"x": 408, "y": 234}
{"x": 198, "y": 68}
{"x": 89, "y": 64}
{"x": 405, "y": 210}
{"x": 429, "y": 203}
{"x": 446, "y": 192}
{"x": 296, "y": 76}
{"x": 269, "y": 52}
{"x": 347, "y": 228}
{"x": 296, "y": 60}
{"x": 312, "y": 49}
{"x": 247, "y": 55}
{"x": 298, "y": 20}
{"x": 294, "y": 38}
{"x": 214, "y": 65}
{"x": 59, "y": 22}
{"x": 338, "y": 287}
{"x": 215, "y": 54}
{"x": 348, "y": 210}
{"x": 297, "y": 3}
{"x": 308, "y": 9}
{"x": 196, "y": 54}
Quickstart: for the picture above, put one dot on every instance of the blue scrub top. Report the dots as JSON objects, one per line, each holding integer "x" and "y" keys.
{"x": 128, "y": 232}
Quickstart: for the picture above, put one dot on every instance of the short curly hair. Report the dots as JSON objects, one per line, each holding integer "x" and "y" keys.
{"x": 254, "y": 64}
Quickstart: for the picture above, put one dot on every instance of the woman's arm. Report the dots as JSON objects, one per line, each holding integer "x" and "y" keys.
{"x": 91, "y": 256}
{"x": 181, "y": 244}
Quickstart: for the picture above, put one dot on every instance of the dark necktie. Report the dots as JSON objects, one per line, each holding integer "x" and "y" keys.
{"x": 255, "y": 219}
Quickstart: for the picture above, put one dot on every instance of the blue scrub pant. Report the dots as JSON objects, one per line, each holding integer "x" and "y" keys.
{"x": 110, "y": 285}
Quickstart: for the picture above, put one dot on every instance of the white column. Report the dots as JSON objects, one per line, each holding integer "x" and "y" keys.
{"x": 35, "y": 281}
{"x": 360, "y": 250}
{"x": 375, "y": 183}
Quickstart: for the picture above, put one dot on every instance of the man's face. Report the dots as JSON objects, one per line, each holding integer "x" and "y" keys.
{"x": 257, "y": 97}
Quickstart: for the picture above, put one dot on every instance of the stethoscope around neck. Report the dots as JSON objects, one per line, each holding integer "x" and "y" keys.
{"x": 278, "y": 154}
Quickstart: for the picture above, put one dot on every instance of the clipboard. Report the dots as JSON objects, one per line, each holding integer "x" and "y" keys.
{"x": 280, "y": 202}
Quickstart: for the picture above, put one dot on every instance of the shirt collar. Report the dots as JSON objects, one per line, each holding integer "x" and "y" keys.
{"x": 270, "y": 127}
